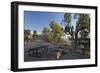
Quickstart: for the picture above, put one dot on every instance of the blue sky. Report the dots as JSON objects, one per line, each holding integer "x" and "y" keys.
{"x": 38, "y": 20}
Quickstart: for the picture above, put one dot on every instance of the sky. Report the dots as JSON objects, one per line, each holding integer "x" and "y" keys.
{"x": 38, "y": 20}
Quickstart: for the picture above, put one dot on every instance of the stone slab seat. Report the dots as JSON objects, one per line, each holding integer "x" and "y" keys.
{"x": 38, "y": 50}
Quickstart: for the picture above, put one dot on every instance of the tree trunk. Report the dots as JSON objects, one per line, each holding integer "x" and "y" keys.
{"x": 76, "y": 37}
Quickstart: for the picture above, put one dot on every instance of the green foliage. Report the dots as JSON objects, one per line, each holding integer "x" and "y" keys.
{"x": 35, "y": 34}
{"x": 26, "y": 34}
{"x": 82, "y": 26}
{"x": 84, "y": 21}
{"x": 84, "y": 33}
{"x": 69, "y": 29}
{"x": 57, "y": 31}
{"x": 56, "y": 28}
{"x": 53, "y": 34}
{"x": 67, "y": 19}
{"x": 47, "y": 34}
{"x": 46, "y": 30}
